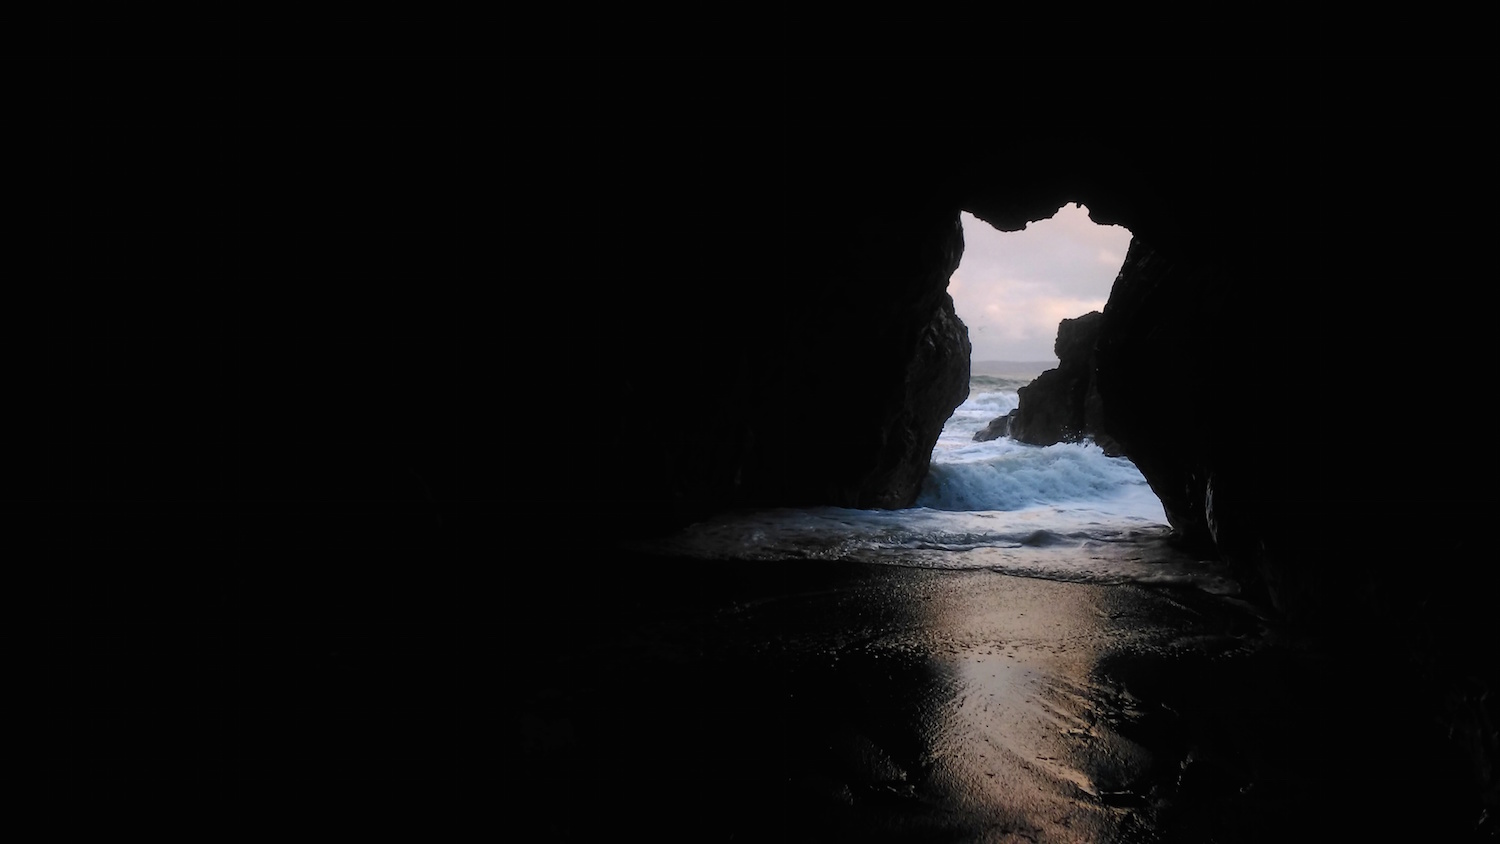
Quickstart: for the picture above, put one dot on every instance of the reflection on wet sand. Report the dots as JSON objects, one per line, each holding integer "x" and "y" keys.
{"x": 1017, "y": 728}
{"x": 831, "y": 702}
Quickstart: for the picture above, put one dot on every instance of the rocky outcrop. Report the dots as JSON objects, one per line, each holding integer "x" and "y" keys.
{"x": 1051, "y": 408}
{"x": 936, "y": 382}
{"x": 1063, "y": 403}
{"x": 997, "y": 428}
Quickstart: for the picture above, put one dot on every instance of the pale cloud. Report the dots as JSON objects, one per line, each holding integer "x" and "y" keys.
{"x": 1055, "y": 310}
{"x": 1013, "y": 288}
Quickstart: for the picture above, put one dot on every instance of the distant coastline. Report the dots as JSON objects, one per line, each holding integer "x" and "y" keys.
{"x": 1011, "y": 368}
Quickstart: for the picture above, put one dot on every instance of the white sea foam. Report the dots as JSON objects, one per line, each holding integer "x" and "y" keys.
{"x": 1005, "y": 475}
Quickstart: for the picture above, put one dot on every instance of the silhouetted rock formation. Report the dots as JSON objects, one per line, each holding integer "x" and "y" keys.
{"x": 1063, "y": 403}
{"x": 833, "y": 394}
{"x": 997, "y": 428}
{"x": 1050, "y": 408}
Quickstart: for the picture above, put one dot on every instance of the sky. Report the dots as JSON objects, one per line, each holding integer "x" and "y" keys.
{"x": 1013, "y": 288}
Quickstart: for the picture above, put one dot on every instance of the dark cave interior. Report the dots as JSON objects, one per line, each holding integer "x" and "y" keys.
{"x": 327, "y": 307}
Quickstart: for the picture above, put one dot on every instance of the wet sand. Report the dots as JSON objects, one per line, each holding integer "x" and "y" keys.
{"x": 841, "y": 702}
{"x": 701, "y": 701}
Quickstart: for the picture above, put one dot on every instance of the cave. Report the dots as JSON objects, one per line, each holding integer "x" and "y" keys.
{"x": 399, "y": 273}
{"x": 1304, "y": 227}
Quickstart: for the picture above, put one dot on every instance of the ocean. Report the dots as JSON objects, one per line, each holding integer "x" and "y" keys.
{"x": 1062, "y": 512}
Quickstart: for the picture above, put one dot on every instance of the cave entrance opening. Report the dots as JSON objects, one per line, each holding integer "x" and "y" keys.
{"x": 1065, "y": 511}
{"x": 1012, "y": 289}
{"x": 1028, "y": 297}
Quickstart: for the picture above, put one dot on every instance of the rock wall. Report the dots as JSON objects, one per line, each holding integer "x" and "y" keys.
{"x": 832, "y": 394}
